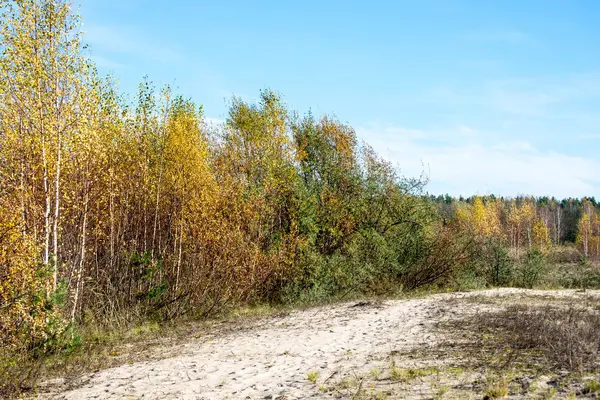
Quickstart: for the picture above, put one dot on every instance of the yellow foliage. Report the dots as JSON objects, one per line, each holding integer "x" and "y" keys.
{"x": 24, "y": 287}
{"x": 482, "y": 219}
{"x": 541, "y": 237}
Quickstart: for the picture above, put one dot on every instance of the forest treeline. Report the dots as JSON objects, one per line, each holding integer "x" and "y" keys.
{"x": 115, "y": 209}
{"x": 526, "y": 222}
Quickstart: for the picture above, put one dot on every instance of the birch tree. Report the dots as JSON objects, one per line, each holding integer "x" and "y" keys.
{"x": 41, "y": 81}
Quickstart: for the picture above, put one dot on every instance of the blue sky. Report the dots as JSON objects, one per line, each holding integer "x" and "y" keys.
{"x": 487, "y": 96}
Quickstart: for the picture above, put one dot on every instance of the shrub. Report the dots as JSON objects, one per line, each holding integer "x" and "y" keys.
{"x": 580, "y": 275}
{"x": 502, "y": 265}
{"x": 489, "y": 262}
{"x": 529, "y": 271}
{"x": 564, "y": 254}
{"x": 31, "y": 324}
{"x": 440, "y": 258}
{"x": 567, "y": 337}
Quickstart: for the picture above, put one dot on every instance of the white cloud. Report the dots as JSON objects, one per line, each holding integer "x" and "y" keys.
{"x": 533, "y": 97}
{"x": 521, "y": 102}
{"x": 129, "y": 40}
{"x": 467, "y": 165}
{"x": 104, "y": 62}
{"x": 213, "y": 122}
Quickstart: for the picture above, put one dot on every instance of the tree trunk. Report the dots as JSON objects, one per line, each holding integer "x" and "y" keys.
{"x": 112, "y": 222}
{"x": 47, "y": 211}
{"x": 56, "y": 209}
{"x": 23, "y": 210}
{"x": 79, "y": 284}
{"x": 156, "y": 211}
{"x": 179, "y": 258}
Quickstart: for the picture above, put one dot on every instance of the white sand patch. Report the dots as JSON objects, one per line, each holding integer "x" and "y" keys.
{"x": 272, "y": 361}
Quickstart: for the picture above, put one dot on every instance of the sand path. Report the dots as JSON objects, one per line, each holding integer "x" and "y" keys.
{"x": 272, "y": 360}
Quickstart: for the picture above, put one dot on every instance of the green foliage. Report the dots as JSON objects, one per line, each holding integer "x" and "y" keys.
{"x": 312, "y": 376}
{"x": 60, "y": 296}
{"x": 502, "y": 265}
{"x": 592, "y": 387}
{"x": 364, "y": 226}
{"x": 469, "y": 279}
{"x": 489, "y": 260}
{"x": 530, "y": 270}
{"x": 581, "y": 275}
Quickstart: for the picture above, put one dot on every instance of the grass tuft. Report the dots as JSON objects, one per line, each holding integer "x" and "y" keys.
{"x": 496, "y": 387}
{"x": 592, "y": 387}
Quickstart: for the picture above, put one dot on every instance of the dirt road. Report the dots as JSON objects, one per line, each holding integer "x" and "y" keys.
{"x": 316, "y": 353}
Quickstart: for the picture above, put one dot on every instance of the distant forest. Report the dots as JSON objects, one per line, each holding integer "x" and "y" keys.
{"x": 572, "y": 220}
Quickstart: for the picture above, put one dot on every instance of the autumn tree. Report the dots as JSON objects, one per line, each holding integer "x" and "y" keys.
{"x": 587, "y": 229}
{"x": 541, "y": 237}
{"x": 327, "y": 153}
{"x": 41, "y": 85}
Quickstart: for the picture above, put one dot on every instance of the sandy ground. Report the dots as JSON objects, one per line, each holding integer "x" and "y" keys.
{"x": 272, "y": 361}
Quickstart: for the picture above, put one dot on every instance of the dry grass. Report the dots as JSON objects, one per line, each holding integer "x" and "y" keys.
{"x": 496, "y": 387}
{"x": 564, "y": 337}
{"x": 408, "y": 374}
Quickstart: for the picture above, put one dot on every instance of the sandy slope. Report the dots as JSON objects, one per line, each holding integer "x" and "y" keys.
{"x": 272, "y": 360}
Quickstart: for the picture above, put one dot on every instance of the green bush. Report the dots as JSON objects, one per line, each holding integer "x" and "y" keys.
{"x": 565, "y": 254}
{"x": 581, "y": 275}
{"x": 489, "y": 263}
{"x": 468, "y": 279}
{"x": 529, "y": 271}
{"x": 502, "y": 266}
